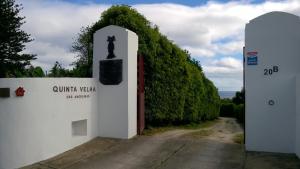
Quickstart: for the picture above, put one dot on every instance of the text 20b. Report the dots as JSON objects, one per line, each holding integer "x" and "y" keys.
{"x": 272, "y": 70}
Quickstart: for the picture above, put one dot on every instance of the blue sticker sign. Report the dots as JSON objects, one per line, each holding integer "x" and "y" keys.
{"x": 251, "y": 58}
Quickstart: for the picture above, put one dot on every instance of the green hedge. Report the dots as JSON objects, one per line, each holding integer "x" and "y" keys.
{"x": 176, "y": 90}
{"x": 239, "y": 112}
{"x": 229, "y": 109}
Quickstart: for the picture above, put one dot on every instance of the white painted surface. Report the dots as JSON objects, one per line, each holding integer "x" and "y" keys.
{"x": 297, "y": 145}
{"x": 132, "y": 83}
{"x": 39, "y": 125}
{"x": 118, "y": 103}
{"x": 45, "y": 123}
{"x": 276, "y": 38}
{"x": 79, "y": 128}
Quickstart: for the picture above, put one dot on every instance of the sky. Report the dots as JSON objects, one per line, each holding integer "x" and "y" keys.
{"x": 212, "y": 31}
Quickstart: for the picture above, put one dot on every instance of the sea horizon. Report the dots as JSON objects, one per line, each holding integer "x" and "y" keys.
{"x": 227, "y": 94}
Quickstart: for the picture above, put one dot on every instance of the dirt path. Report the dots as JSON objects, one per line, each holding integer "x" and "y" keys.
{"x": 224, "y": 130}
{"x": 210, "y": 147}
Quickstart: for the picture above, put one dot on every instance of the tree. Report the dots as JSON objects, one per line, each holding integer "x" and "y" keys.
{"x": 35, "y": 72}
{"x": 234, "y": 107}
{"x": 12, "y": 41}
{"x": 239, "y": 97}
{"x": 58, "y": 71}
{"x": 83, "y": 47}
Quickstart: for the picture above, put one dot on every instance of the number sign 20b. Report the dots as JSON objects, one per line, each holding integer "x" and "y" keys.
{"x": 274, "y": 69}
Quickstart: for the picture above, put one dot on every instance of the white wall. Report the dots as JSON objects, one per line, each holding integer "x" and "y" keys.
{"x": 132, "y": 83}
{"x": 297, "y": 146}
{"x": 39, "y": 125}
{"x": 276, "y": 38}
{"x": 118, "y": 103}
{"x": 46, "y": 121}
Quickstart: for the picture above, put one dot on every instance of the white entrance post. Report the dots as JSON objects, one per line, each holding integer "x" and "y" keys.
{"x": 117, "y": 48}
{"x": 271, "y": 67}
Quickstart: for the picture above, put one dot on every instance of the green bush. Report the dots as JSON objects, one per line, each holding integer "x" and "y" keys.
{"x": 239, "y": 112}
{"x": 176, "y": 90}
{"x": 227, "y": 110}
{"x": 230, "y": 109}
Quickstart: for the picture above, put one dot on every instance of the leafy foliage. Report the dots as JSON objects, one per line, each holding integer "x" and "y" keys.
{"x": 234, "y": 107}
{"x": 58, "y": 71}
{"x": 239, "y": 111}
{"x": 83, "y": 47}
{"x": 35, "y": 72}
{"x": 12, "y": 39}
{"x": 227, "y": 108}
{"x": 176, "y": 90}
{"x": 239, "y": 97}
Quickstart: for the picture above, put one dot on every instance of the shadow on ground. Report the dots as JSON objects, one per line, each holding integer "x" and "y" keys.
{"x": 208, "y": 148}
{"x": 258, "y": 160}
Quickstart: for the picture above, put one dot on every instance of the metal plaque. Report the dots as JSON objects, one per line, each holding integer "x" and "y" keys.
{"x": 111, "y": 72}
{"x": 4, "y": 92}
{"x": 251, "y": 58}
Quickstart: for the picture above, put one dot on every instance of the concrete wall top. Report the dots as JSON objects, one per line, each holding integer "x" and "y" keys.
{"x": 116, "y": 28}
{"x": 275, "y": 36}
{"x": 278, "y": 15}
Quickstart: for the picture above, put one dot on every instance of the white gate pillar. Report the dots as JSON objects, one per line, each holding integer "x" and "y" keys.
{"x": 115, "y": 68}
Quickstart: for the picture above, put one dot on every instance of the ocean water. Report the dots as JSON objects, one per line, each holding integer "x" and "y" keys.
{"x": 227, "y": 94}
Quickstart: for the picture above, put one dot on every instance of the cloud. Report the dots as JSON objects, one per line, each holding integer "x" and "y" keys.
{"x": 199, "y": 28}
{"x": 226, "y": 67}
{"x": 211, "y": 32}
{"x": 49, "y": 54}
{"x": 53, "y": 25}
{"x": 226, "y": 73}
{"x": 229, "y": 62}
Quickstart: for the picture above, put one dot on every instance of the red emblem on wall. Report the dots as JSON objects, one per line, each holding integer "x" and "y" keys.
{"x": 20, "y": 92}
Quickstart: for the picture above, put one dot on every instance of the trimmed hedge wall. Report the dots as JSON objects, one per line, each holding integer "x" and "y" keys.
{"x": 232, "y": 108}
{"x": 176, "y": 90}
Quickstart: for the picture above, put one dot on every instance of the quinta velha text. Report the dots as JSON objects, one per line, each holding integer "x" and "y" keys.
{"x": 67, "y": 89}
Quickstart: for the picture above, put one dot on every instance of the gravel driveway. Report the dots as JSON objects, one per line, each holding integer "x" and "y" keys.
{"x": 208, "y": 148}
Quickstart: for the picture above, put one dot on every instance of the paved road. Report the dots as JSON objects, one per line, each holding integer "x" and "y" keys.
{"x": 209, "y": 148}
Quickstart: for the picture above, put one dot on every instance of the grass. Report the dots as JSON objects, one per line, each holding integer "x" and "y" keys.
{"x": 239, "y": 138}
{"x": 193, "y": 126}
{"x": 200, "y": 133}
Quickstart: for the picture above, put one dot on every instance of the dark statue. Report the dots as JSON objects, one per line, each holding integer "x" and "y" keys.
{"x": 111, "y": 47}
{"x": 111, "y": 70}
